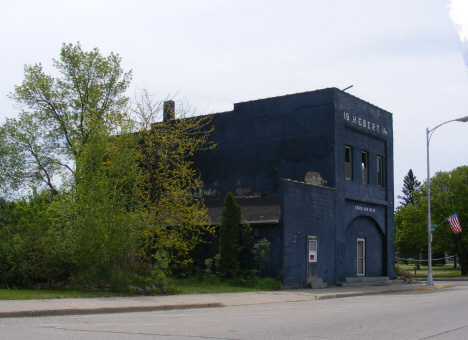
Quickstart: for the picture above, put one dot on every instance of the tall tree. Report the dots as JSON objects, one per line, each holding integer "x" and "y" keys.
{"x": 59, "y": 115}
{"x": 409, "y": 234}
{"x": 411, "y": 231}
{"x": 100, "y": 215}
{"x": 121, "y": 178}
{"x": 410, "y": 187}
{"x": 177, "y": 219}
{"x": 449, "y": 194}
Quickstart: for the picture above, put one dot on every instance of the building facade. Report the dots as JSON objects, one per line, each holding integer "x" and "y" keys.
{"x": 313, "y": 173}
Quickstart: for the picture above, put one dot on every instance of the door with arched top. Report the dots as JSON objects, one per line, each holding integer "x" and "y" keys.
{"x": 364, "y": 248}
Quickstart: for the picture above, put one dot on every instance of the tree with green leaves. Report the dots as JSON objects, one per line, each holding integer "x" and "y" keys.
{"x": 60, "y": 115}
{"x": 119, "y": 180}
{"x": 449, "y": 194}
{"x": 409, "y": 234}
{"x": 100, "y": 216}
{"x": 11, "y": 166}
{"x": 411, "y": 231}
{"x": 229, "y": 235}
{"x": 410, "y": 187}
{"x": 28, "y": 247}
{"x": 75, "y": 138}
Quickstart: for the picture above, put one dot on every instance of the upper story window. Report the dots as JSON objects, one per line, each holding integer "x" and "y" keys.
{"x": 365, "y": 167}
{"x": 349, "y": 162}
{"x": 379, "y": 171}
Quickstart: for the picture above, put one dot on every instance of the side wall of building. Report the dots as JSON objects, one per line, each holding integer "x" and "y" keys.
{"x": 264, "y": 140}
{"x": 307, "y": 210}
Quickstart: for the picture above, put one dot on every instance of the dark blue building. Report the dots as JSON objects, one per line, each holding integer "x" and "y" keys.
{"x": 313, "y": 173}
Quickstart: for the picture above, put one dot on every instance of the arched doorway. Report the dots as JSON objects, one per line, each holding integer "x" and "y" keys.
{"x": 364, "y": 252}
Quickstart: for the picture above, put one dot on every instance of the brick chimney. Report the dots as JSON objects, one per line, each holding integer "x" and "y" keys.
{"x": 169, "y": 110}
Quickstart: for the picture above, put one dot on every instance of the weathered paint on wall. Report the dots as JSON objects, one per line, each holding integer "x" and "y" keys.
{"x": 307, "y": 210}
{"x": 265, "y": 140}
{"x": 295, "y": 136}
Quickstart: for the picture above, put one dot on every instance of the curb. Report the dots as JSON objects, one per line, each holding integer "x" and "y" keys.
{"x": 435, "y": 287}
{"x": 453, "y": 279}
{"x": 450, "y": 278}
{"x": 106, "y": 310}
{"x": 343, "y": 295}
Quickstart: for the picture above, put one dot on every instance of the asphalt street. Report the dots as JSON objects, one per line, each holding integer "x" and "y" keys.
{"x": 413, "y": 314}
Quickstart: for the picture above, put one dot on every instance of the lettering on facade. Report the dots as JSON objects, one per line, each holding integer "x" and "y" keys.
{"x": 364, "y": 123}
{"x": 361, "y": 208}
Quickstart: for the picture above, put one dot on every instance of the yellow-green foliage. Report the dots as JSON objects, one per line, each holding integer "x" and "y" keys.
{"x": 175, "y": 218}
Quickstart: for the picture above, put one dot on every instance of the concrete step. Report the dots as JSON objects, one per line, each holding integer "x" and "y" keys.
{"x": 367, "y": 281}
{"x": 316, "y": 283}
{"x": 362, "y": 284}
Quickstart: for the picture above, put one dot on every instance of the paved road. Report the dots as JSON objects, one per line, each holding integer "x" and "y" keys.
{"x": 427, "y": 314}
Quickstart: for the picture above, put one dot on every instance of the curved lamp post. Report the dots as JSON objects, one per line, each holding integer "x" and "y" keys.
{"x": 429, "y": 133}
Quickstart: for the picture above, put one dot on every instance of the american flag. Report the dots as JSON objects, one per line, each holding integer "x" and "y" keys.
{"x": 455, "y": 223}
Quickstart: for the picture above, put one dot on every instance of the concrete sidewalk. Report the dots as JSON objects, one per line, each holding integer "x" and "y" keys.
{"x": 22, "y": 308}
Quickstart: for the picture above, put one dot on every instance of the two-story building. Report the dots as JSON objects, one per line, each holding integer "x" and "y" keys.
{"x": 313, "y": 173}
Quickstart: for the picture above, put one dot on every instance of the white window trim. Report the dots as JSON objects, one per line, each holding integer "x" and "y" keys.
{"x": 363, "y": 240}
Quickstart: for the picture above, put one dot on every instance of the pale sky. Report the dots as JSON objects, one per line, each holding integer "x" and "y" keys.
{"x": 459, "y": 14}
{"x": 406, "y": 57}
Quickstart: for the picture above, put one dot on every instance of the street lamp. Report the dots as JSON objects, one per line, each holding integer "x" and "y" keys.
{"x": 429, "y": 133}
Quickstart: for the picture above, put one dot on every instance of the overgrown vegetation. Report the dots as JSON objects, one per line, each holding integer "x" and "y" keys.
{"x": 239, "y": 260}
{"x": 214, "y": 284}
{"x": 96, "y": 190}
{"x": 229, "y": 235}
{"x": 14, "y": 294}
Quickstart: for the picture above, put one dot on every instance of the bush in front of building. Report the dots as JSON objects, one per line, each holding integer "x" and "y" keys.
{"x": 229, "y": 248}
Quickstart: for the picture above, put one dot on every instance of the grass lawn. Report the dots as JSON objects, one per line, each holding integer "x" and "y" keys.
{"x": 178, "y": 286}
{"x": 19, "y": 294}
{"x": 437, "y": 271}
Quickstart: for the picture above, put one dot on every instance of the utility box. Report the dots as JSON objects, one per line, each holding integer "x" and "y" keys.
{"x": 312, "y": 249}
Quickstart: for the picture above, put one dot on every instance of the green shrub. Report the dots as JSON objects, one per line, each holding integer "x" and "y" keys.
{"x": 269, "y": 284}
{"x": 229, "y": 232}
{"x": 211, "y": 280}
{"x": 28, "y": 243}
{"x": 261, "y": 251}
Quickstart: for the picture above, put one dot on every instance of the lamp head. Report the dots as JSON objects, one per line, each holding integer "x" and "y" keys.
{"x": 464, "y": 119}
